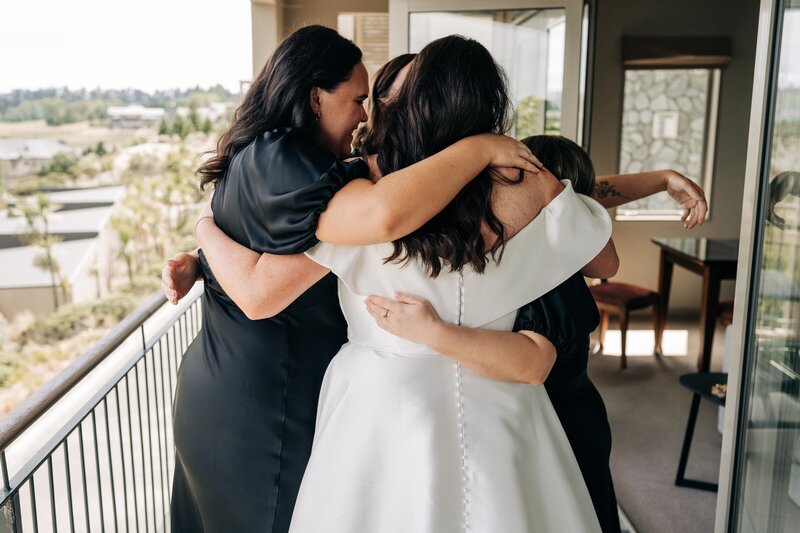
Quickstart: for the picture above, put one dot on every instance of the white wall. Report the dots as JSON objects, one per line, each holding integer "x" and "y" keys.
{"x": 737, "y": 20}
{"x": 274, "y": 20}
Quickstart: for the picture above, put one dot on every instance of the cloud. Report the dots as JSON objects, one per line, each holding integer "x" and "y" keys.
{"x": 144, "y": 44}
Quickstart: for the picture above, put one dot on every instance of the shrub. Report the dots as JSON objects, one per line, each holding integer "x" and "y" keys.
{"x": 69, "y": 319}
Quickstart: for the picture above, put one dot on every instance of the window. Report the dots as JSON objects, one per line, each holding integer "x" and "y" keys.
{"x": 529, "y": 44}
{"x": 370, "y": 31}
{"x": 668, "y": 121}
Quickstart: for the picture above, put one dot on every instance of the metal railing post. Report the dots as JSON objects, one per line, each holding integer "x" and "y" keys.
{"x": 54, "y": 505}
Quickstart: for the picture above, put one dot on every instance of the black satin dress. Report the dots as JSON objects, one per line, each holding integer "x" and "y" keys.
{"x": 566, "y": 316}
{"x": 247, "y": 391}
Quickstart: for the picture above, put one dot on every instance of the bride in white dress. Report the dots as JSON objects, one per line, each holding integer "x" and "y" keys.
{"x": 407, "y": 440}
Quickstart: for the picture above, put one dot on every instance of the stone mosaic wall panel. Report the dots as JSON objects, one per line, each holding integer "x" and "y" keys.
{"x": 664, "y": 126}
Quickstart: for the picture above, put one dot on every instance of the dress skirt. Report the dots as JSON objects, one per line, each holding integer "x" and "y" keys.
{"x": 415, "y": 442}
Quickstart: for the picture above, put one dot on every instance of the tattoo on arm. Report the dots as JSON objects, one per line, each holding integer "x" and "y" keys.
{"x": 603, "y": 189}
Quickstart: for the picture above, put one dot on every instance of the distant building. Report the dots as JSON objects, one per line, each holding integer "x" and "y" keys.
{"x": 134, "y": 116}
{"x": 212, "y": 112}
{"x": 23, "y": 157}
{"x": 85, "y": 256}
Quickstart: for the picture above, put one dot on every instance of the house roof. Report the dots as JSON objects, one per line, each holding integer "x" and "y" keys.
{"x": 19, "y": 270}
{"x": 135, "y": 112}
{"x": 90, "y": 220}
{"x": 86, "y": 196}
{"x": 12, "y": 149}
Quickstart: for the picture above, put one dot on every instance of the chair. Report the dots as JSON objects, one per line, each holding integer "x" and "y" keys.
{"x": 725, "y": 313}
{"x": 620, "y": 299}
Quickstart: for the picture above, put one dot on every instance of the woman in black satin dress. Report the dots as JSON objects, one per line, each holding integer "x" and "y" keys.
{"x": 242, "y": 423}
{"x": 247, "y": 389}
{"x": 567, "y": 315}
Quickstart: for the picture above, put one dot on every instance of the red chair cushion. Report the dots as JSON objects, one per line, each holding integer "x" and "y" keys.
{"x": 623, "y": 295}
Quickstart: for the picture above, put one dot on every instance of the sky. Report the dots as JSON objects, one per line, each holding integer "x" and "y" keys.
{"x": 789, "y": 73}
{"x": 141, "y": 44}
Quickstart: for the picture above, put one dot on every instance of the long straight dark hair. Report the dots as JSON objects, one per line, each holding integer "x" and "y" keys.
{"x": 314, "y": 56}
{"x": 453, "y": 90}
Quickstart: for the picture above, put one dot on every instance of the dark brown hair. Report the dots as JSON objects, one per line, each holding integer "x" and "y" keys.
{"x": 314, "y": 56}
{"x": 453, "y": 90}
{"x": 364, "y": 140}
{"x": 565, "y": 159}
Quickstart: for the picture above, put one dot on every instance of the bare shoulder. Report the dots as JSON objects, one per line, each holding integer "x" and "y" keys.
{"x": 516, "y": 204}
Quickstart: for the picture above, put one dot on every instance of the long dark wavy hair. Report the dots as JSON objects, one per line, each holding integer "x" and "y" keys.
{"x": 364, "y": 139}
{"x": 453, "y": 90}
{"x": 313, "y": 56}
{"x": 565, "y": 159}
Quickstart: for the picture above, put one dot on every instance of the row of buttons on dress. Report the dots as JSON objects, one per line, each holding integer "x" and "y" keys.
{"x": 460, "y": 413}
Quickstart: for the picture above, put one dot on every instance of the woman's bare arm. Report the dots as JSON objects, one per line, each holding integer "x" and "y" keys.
{"x": 619, "y": 189}
{"x": 262, "y": 285}
{"x": 523, "y": 357}
{"x": 604, "y": 265}
{"x": 364, "y": 212}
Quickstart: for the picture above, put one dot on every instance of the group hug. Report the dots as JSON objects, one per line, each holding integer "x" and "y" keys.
{"x": 396, "y": 318}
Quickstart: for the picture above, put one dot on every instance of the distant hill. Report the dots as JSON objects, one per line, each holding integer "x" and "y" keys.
{"x": 63, "y": 106}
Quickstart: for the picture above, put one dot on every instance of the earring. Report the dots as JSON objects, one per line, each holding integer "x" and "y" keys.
{"x": 316, "y": 116}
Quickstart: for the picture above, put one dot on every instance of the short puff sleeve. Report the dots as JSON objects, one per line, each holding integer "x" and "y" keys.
{"x": 563, "y": 315}
{"x": 278, "y": 186}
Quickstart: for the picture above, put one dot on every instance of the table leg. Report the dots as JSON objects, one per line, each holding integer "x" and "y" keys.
{"x": 680, "y": 478}
{"x": 708, "y": 316}
{"x": 664, "y": 285}
{"x": 687, "y": 439}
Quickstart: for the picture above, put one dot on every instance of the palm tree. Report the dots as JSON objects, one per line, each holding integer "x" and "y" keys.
{"x": 36, "y": 212}
{"x": 126, "y": 231}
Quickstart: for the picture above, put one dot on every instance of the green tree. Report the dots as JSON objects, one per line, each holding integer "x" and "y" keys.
{"x": 194, "y": 119}
{"x": 163, "y": 127}
{"x": 101, "y": 149}
{"x": 126, "y": 232}
{"x": 62, "y": 162}
{"x": 207, "y": 126}
{"x": 530, "y": 116}
{"x": 180, "y": 127}
{"x": 36, "y": 211}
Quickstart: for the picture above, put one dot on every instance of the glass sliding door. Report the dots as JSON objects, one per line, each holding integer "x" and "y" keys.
{"x": 541, "y": 45}
{"x": 528, "y": 43}
{"x": 765, "y": 495}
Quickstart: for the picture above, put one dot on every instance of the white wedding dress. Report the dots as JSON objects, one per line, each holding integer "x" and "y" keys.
{"x": 408, "y": 441}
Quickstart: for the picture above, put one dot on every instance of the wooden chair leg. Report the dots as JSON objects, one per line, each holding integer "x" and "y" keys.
{"x": 603, "y": 328}
{"x": 623, "y": 327}
{"x": 658, "y": 331}
{"x": 659, "y": 322}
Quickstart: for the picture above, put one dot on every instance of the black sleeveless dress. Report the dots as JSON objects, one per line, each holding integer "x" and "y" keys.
{"x": 247, "y": 391}
{"x": 566, "y": 316}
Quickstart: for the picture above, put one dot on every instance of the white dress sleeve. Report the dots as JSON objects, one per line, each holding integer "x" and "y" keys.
{"x": 568, "y": 233}
{"x": 360, "y": 268}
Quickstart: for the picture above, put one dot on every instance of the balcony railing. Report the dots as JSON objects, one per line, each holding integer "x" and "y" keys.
{"x": 106, "y": 462}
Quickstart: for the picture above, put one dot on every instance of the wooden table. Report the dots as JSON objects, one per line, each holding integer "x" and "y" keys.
{"x": 715, "y": 260}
